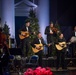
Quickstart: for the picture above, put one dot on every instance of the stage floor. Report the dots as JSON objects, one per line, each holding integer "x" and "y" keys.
{"x": 51, "y": 62}
{"x": 69, "y": 71}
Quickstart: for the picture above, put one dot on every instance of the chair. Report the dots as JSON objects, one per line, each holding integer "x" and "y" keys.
{"x": 11, "y": 63}
{"x": 33, "y": 61}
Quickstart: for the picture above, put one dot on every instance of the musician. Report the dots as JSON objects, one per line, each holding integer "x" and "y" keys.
{"x": 4, "y": 53}
{"x": 38, "y": 40}
{"x": 74, "y": 31}
{"x": 73, "y": 40}
{"x": 51, "y": 33}
{"x": 25, "y": 43}
{"x": 61, "y": 53}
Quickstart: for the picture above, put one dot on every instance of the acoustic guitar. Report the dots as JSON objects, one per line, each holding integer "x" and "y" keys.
{"x": 24, "y": 34}
{"x": 61, "y": 45}
{"x": 73, "y": 39}
{"x": 41, "y": 47}
{"x": 35, "y": 50}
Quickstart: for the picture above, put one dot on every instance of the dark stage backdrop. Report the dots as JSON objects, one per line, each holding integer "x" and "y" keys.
{"x": 19, "y": 22}
{"x": 65, "y": 13}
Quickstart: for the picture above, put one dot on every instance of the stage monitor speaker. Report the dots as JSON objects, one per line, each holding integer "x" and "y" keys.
{"x": 15, "y": 51}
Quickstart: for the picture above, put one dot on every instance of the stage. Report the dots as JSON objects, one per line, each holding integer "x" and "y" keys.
{"x": 51, "y": 62}
{"x": 69, "y": 71}
{"x": 48, "y": 62}
{"x": 19, "y": 64}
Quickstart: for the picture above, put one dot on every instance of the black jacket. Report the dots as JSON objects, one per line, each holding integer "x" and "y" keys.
{"x": 24, "y": 29}
{"x": 73, "y": 33}
{"x": 49, "y": 36}
{"x": 36, "y": 41}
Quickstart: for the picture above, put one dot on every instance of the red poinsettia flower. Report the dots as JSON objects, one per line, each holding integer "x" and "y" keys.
{"x": 51, "y": 73}
{"x": 39, "y": 71}
{"x": 39, "y": 68}
{"x": 47, "y": 72}
{"x": 43, "y": 71}
{"x": 29, "y": 71}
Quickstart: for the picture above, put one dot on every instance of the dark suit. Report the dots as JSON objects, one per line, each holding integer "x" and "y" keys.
{"x": 50, "y": 39}
{"x": 36, "y": 41}
{"x": 73, "y": 50}
{"x": 73, "y": 33}
{"x": 60, "y": 56}
{"x": 25, "y": 43}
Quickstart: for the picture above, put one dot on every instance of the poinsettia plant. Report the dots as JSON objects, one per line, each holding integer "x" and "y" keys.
{"x": 38, "y": 71}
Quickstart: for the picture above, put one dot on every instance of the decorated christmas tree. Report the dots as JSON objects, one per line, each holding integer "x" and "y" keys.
{"x": 6, "y": 29}
{"x": 34, "y": 25}
{"x": 6, "y": 32}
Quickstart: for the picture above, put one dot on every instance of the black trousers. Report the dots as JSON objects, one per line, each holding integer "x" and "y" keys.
{"x": 25, "y": 46}
{"x": 3, "y": 64}
{"x": 50, "y": 48}
{"x": 1, "y": 72}
{"x": 50, "y": 39}
{"x": 72, "y": 50}
{"x": 60, "y": 59}
{"x": 40, "y": 57}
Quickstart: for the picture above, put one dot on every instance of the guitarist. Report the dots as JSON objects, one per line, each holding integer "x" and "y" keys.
{"x": 73, "y": 40}
{"x": 38, "y": 40}
{"x": 25, "y": 43}
{"x": 60, "y": 53}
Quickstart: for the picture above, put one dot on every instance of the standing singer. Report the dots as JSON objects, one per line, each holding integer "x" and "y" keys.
{"x": 51, "y": 32}
{"x": 25, "y": 38}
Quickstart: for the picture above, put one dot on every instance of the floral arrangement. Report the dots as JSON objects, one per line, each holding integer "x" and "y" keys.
{"x": 39, "y": 71}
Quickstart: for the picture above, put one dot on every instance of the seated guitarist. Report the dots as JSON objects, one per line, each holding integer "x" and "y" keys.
{"x": 38, "y": 40}
{"x": 25, "y": 40}
{"x": 61, "y": 52}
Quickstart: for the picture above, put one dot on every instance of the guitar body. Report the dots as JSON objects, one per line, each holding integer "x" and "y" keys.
{"x": 24, "y": 34}
{"x": 73, "y": 39}
{"x": 61, "y": 45}
{"x": 35, "y": 50}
